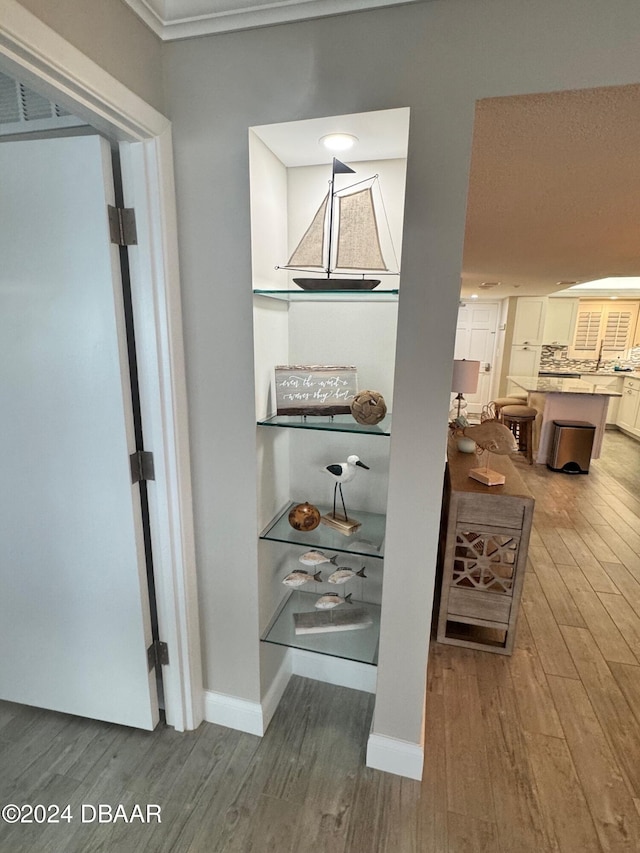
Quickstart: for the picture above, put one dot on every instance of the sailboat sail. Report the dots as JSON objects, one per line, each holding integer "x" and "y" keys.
{"x": 343, "y": 235}
{"x": 309, "y": 251}
{"x": 358, "y": 239}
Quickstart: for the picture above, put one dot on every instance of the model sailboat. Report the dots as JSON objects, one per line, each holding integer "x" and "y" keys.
{"x": 342, "y": 237}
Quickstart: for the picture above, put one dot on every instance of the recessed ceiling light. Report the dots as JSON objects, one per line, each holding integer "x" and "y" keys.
{"x": 338, "y": 141}
{"x": 474, "y": 295}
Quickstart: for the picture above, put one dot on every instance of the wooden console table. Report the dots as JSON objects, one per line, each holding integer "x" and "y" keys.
{"x": 483, "y": 562}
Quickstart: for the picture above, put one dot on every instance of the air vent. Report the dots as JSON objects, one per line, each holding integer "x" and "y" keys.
{"x": 22, "y": 109}
{"x": 485, "y": 285}
{"x": 9, "y": 109}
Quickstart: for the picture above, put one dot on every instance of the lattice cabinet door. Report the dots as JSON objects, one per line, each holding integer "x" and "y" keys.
{"x": 483, "y": 568}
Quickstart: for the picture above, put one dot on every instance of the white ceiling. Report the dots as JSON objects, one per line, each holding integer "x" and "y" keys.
{"x": 554, "y": 191}
{"x": 381, "y": 135}
{"x": 179, "y": 19}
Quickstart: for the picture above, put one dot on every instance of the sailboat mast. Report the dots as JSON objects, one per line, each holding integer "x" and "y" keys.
{"x": 337, "y": 168}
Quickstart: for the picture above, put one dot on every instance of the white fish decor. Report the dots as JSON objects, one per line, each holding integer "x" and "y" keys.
{"x": 331, "y": 600}
{"x": 492, "y": 437}
{"x": 342, "y": 575}
{"x": 300, "y": 577}
{"x": 317, "y": 558}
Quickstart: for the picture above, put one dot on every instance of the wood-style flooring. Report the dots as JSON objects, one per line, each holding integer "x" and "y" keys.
{"x": 524, "y": 754}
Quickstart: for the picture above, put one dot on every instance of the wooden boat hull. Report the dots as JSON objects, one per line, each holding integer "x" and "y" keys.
{"x": 337, "y": 283}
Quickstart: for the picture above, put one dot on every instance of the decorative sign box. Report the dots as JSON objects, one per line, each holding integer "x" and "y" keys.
{"x": 315, "y": 389}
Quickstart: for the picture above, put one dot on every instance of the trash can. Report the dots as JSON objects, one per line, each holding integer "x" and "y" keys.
{"x": 571, "y": 446}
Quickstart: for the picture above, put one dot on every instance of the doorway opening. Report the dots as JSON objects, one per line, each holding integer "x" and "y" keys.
{"x": 45, "y": 62}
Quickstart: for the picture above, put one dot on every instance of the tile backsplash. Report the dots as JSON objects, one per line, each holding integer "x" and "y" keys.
{"x": 556, "y": 358}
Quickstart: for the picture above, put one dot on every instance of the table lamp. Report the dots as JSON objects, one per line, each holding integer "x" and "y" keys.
{"x": 464, "y": 381}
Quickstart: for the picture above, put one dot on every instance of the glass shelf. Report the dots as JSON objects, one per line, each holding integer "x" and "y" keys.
{"x": 338, "y": 423}
{"x": 359, "y": 645}
{"x": 367, "y": 541}
{"x": 330, "y": 295}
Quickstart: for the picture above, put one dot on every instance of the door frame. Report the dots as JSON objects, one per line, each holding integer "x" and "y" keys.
{"x": 38, "y": 56}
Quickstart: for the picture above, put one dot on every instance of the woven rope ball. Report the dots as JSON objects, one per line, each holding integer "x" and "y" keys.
{"x": 368, "y": 407}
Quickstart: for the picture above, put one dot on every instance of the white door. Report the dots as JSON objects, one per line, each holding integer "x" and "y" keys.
{"x": 74, "y": 609}
{"x": 476, "y": 340}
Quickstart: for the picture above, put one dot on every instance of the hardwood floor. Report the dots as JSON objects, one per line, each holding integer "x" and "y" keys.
{"x": 535, "y": 752}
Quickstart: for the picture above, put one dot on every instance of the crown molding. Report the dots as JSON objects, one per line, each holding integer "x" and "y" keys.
{"x": 181, "y": 19}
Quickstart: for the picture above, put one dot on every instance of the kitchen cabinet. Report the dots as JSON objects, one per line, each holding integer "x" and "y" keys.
{"x": 524, "y": 361}
{"x": 613, "y": 383}
{"x": 604, "y": 328}
{"x": 629, "y": 410}
{"x": 560, "y": 321}
{"x": 487, "y": 531}
{"x": 528, "y": 329}
{"x": 528, "y": 332}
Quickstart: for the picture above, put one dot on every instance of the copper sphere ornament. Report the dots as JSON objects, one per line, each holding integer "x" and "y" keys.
{"x": 368, "y": 407}
{"x": 304, "y": 517}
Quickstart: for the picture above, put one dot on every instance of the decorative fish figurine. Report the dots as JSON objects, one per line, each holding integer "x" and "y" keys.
{"x": 332, "y": 599}
{"x": 300, "y": 577}
{"x": 492, "y": 436}
{"x": 342, "y": 575}
{"x": 317, "y": 558}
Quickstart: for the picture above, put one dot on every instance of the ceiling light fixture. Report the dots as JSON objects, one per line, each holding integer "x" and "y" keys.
{"x": 338, "y": 141}
{"x": 474, "y": 295}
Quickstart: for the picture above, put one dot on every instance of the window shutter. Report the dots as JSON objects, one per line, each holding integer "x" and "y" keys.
{"x": 587, "y": 329}
{"x": 617, "y": 331}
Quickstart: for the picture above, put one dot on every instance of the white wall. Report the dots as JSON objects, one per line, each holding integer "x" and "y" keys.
{"x": 269, "y": 205}
{"x": 436, "y": 58}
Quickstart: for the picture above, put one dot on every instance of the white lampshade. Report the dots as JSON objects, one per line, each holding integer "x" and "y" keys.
{"x": 465, "y": 376}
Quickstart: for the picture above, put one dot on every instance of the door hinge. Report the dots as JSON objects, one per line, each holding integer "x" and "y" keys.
{"x": 122, "y": 226}
{"x": 142, "y": 466}
{"x": 157, "y": 655}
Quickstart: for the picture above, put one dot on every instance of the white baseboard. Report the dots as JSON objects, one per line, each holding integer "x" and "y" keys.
{"x": 245, "y": 716}
{"x": 254, "y": 717}
{"x": 395, "y": 756}
{"x": 274, "y": 694}
{"x": 233, "y": 713}
{"x": 342, "y": 673}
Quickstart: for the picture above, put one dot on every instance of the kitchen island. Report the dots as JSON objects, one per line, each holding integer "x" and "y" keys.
{"x": 565, "y": 399}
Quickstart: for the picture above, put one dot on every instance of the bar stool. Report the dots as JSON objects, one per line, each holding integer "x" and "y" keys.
{"x": 520, "y": 421}
{"x": 500, "y": 402}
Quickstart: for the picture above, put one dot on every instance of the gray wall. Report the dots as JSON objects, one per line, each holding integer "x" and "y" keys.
{"x": 436, "y": 58}
{"x": 113, "y": 36}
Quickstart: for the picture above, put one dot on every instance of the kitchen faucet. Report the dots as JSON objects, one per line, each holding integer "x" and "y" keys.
{"x": 599, "y": 355}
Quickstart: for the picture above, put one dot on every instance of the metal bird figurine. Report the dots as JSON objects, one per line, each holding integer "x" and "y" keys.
{"x": 343, "y": 472}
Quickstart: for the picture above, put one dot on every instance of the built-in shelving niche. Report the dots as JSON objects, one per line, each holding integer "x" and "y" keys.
{"x": 292, "y": 326}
